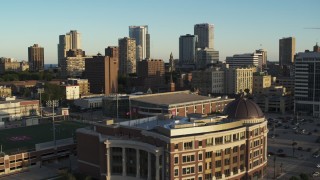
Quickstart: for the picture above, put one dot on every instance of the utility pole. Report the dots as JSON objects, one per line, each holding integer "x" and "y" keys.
{"x": 53, "y": 104}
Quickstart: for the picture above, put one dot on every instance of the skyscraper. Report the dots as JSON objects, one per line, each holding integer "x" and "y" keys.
{"x": 71, "y": 40}
{"x": 307, "y": 84}
{"x": 127, "y": 56}
{"x": 187, "y": 49}
{"x": 287, "y": 49}
{"x": 102, "y": 72}
{"x": 264, "y": 57}
{"x": 36, "y": 58}
{"x": 142, "y": 37}
{"x": 205, "y": 35}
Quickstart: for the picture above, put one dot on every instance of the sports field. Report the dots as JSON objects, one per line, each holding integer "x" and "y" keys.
{"x": 24, "y": 138}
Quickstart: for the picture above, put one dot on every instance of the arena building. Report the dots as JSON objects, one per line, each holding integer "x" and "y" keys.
{"x": 232, "y": 146}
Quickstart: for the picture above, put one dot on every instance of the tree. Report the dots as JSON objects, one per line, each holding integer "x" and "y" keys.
{"x": 303, "y": 176}
{"x": 294, "y": 178}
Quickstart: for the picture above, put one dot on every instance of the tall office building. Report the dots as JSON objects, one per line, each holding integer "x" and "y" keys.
{"x": 187, "y": 49}
{"x": 207, "y": 57}
{"x": 71, "y": 40}
{"x": 127, "y": 56}
{"x": 102, "y": 72}
{"x": 307, "y": 83}
{"x": 243, "y": 60}
{"x": 36, "y": 58}
{"x": 287, "y": 49}
{"x": 239, "y": 79}
{"x": 142, "y": 37}
{"x": 205, "y": 35}
{"x": 264, "y": 57}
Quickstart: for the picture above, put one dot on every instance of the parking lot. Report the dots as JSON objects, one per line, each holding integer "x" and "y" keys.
{"x": 293, "y": 146}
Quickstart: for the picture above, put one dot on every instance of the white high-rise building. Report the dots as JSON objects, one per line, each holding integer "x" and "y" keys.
{"x": 243, "y": 60}
{"x": 140, "y": 34}
{"x": 71, "y": 40}
{"x": 205, "y": 35}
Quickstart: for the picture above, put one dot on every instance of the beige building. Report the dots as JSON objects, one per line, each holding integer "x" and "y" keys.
{"x": 239, "y": 79}
{"x": 232, "y": 146}
{"x": 209, "y": 81}
{"x": 261, "y": 82}
{"x": 71, "y": 92}
{"x": 275, "y": 99}
{"x": 5, "y": 91}
{"x": 84, "y": 86}
{"x": 13, "y": 109}
{"x": 127, "y": 56}
{"x": 74, "y": 64}
{"x": 9, "y": 64}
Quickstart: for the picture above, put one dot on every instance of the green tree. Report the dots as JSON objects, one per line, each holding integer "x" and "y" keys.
{"x": 294, "y": 178}
{"x": 303, "y": 176}
{"x": 53, "y": 91}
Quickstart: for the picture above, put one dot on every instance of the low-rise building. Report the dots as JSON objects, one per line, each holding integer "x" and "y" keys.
{"x": 275, "y": 99}
{"x": 261, "y": 81}
{"x": 14, "y": 109}
{"x": 89, "y": 102}
{"x": 5, "y": 91}
{"x": 84, "y": 86}
{"x": 10, "y": 64}
{"x": 179, "y": 103}
{"x": 239, "y": 79}
{"x": 233, "y": 146}
{"x": 72, "y": 92}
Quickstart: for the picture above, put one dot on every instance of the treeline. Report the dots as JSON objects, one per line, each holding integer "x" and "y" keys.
{"x": 25, "y": 75}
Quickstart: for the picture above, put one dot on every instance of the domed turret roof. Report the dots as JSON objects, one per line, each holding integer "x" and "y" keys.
{"x": 243, "y": 108}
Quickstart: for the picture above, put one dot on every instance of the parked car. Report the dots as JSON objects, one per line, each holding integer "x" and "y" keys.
{"x": 300, "y": 148}
{"x": 318, "y": 165}
{"x": 316, "y": 174}
{"x": 315, "y": 155}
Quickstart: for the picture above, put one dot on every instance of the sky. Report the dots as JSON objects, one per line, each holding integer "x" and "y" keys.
{"x": 240, "y": 26}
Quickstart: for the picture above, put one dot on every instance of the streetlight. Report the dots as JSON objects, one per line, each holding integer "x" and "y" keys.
{"x": 40, "y": 91}
{"x": 274, "y": 166}
{"x": 53, "y": 104}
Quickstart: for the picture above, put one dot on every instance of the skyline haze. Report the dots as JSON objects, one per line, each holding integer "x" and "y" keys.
{"x": 239, "y": 27}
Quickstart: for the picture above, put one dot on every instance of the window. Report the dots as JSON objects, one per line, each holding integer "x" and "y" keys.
{"x": 188, "y": 145}
{"x": 235, "y": 149}
{"x": 176, "y": 146}
{"x": 209, "y": 154}
{"x": 218, "y": 174}
{"x": 188, "y": 158}
{"x": 200, "y": 168}
{"x": 241, "y": 157}
{"x": 200, "y": 157}
{"x": 199, "y": 178}
{"x": 219, "y": 140}
{"x": 227, "y": 172}
{"x": 188, "y": 170}
{"x": 218, "y": 153}
{"x": 176, "y": 160}
{"x": 235, "y": 170}
{"x": 200, "y": 143}
{"x": 176, "y": 172}
{"x": 218, "y": 163}
{"x": 235, "y": 137}
{"x": 227, "y": 161}
{"x": 227, "y": 138}
{"x": 235, "y": 159}
{"x": 242, "y": 135}
{"x": 227, "y": 151}
{"x": 209, "y": 142}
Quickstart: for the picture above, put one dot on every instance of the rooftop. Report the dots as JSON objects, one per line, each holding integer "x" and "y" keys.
{"x": 172, "y": 98}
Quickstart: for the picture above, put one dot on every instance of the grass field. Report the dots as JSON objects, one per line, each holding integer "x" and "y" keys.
{"x": 24, "y": 138}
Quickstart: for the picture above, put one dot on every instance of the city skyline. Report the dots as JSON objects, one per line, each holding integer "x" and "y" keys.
{"x": 238, "y": 27}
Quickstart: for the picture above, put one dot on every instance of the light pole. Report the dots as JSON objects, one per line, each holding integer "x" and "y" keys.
{"x": 274, "y": 166}
{"x": 53, "y": 104}
{"x": 40, "y": 91}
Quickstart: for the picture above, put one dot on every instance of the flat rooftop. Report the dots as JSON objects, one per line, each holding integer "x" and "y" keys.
{"x": 171, "y": 98}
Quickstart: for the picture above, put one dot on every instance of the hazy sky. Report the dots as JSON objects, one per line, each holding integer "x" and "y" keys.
{"x": 240, "y": 26}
